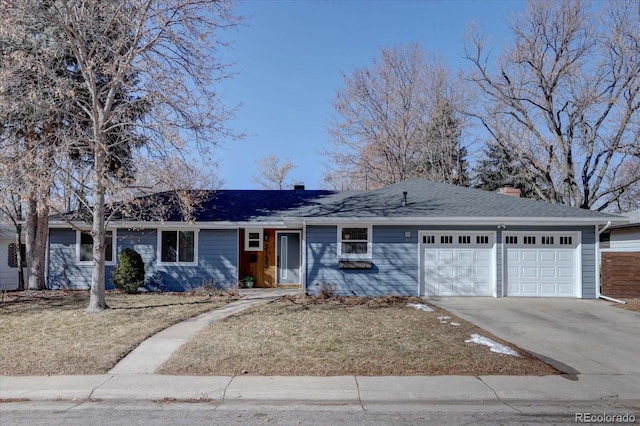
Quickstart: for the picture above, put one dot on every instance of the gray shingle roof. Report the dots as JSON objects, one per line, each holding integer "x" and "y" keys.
{"x": 432, "y": 199}
{"x": 425, "y": 199}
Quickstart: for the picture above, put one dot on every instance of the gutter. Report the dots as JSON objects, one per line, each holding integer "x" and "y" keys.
{"x": 598, "y": 294}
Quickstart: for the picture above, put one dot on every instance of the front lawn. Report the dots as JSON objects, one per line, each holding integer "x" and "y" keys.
{"x": 346, "y": 336}
{"x": 48, "y": 332}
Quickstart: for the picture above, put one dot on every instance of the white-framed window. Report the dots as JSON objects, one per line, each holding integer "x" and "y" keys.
{"x": 178, "y": 247}
{"x": 511, "y": 239}
{"x": 428, "y": 239}
{"x": 12, "y": 257}
{"x": 446, "y": 239}
{"x": 482, "y": 239}
{"x": 253, "y": 239}
{"x": 529, "y": 239}
{"x": 84, "y": 247}
{"x": 464, "y": 239}
{"x": 565, "y": 240}
{"x": 547, "y": 240}
{"x": 355, "y": 242}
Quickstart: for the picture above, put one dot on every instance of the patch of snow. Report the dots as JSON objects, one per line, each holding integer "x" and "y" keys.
{"x": 444, "y": 317}
{"x": 493, "y": 346}
{"x": 420, "y": 307}
{"x": 455, "y": 324}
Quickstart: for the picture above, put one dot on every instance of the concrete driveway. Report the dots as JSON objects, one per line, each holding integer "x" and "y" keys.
{"x": 576, "y": 336}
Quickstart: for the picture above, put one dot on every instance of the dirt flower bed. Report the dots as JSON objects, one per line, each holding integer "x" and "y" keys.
{"x": 48, "y": 332}
{"x": 345, "y": 336}
{"x": 632, "y": 304}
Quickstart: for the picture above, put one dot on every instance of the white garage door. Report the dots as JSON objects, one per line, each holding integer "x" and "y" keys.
{"x": 457, "y": 263}
{"x": 542, "y": 264}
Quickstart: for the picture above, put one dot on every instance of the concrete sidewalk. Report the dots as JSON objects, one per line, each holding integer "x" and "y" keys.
{"x": 623, "y": 390}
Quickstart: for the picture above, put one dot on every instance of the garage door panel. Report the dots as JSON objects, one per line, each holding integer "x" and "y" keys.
{"x": 566, "y": 256}
{"x": 547, "y": 256}
{"x": 537, "y": 269}
{"x": 566, "y": 289}
{"x": 546, "y": 288}
{"x": 458, "y": 264}
{"x": 465, "y": 255}
{"x": 547, "y": 272}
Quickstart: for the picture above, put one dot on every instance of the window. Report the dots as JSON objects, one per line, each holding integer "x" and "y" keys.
{"x": 354, "y": 242}
{"x": 446, "y": 239}
{"x": 567, "y": 241}
{"x": 177, "y": 247}
{"x": 253, "y": 239}
{"x": 84, "y": 250}
{"x": 529, "y": 239}
{"x": 547, "y": 240}
{"x": 13, "y": 255}
{"x": 464, "y": 239}
{"x": 428, "y": 239}
{"x": 511, "y": 239}
{"x": 482, "y": 239}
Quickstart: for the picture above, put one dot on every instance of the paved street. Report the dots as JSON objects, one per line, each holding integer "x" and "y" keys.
{"x": 292, "y": 413}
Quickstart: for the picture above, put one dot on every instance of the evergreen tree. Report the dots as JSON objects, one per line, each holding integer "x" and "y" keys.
{"x": 498, "y": 168}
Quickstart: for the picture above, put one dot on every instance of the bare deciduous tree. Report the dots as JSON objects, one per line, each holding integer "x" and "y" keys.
{"x": 564, "y": 97}
{"x": 389, "y": 121}
{"x": 144, "y": 74}
{"x": 272, "y": 174}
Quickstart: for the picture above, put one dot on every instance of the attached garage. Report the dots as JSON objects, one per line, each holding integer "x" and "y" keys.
{"x": 542, "y": 264}
{"x": 457, "y": 263}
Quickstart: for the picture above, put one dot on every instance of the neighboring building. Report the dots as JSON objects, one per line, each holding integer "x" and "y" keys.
{"x": 8, "y": 258}
{"x": 412, "y": 238}
{"x": 620, "y": 258}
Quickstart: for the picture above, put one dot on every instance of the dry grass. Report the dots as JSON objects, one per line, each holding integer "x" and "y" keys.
{"x": 383, "y": 336}
{"x": 632, "y": 304}
{"x": 48, "y": 332}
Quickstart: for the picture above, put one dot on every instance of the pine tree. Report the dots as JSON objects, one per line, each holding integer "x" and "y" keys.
{"x": 498, "y": 168}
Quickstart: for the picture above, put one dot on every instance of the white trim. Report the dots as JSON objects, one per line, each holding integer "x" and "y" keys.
{"x": 196, "y": 233}
{"x": 296, "y": 222}
{"x": 303, "y": 253}
{"x": 114, "y": 248}
{"x": 355, "y": 256}
{"x": 260, "y": 232}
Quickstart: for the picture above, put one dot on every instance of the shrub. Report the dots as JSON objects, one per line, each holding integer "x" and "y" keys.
{"x": 128, "y": 275}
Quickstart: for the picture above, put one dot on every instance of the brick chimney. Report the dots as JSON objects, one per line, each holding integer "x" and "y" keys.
{"x": 510, "y": 191}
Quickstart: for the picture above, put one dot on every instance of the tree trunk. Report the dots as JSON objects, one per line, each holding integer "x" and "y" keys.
{"x": 97, "y": 301}
{"x": 37, "y": 222}
{"x": 19, "y": 258}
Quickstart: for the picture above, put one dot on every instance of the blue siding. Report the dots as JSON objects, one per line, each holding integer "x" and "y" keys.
{"x": 395, "y": 263}
{"x": 217, "y": 260}
{"x": 63, "y": 270}
{"x": 588, "y": 262}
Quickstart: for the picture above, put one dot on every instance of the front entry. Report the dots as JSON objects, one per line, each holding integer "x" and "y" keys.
{"x": 288, "y": 257}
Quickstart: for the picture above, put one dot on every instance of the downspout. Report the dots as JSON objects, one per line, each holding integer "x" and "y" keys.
{"x": 599, "y": 261}
{"x": 304, "y": 257}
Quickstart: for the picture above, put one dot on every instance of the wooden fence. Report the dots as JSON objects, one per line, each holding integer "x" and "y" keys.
{"x": 620, "y": 274}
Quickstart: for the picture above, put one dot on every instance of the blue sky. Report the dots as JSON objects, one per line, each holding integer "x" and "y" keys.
{"x": 289, "y": 56}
